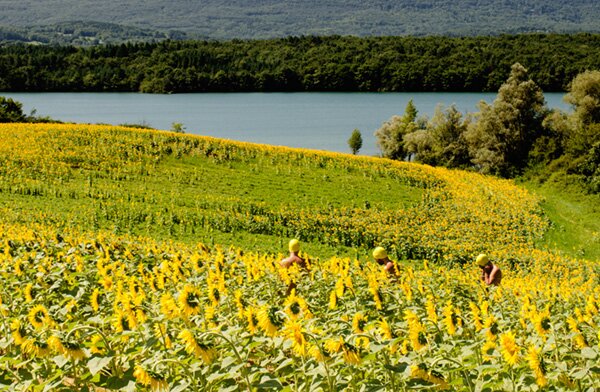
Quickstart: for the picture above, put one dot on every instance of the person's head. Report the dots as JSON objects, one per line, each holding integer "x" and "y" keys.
{"x": 482, "y": 260}
{"x": 294, "y": 246}
{"x": 380, "y": 254}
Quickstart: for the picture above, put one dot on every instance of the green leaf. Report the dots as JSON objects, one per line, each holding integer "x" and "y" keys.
{"x": 269, "y": 383}
{"x": 60, "y": 361}
{"x": 227, "y": 362}
{"x": 284, "y": 364}
{"x": 375, "y": 348}
{"x": 96, "y": 364}
{"x": 589, "y": 353}
{"x": 399, "y": 368}
{"x": 580, "y": 374}
{"x": 183, "y": 387}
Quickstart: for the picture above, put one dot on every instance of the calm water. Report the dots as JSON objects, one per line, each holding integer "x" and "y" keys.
{"x": 321, "y": 121}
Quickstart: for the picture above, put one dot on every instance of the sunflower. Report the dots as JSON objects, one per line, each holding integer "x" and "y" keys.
{"x": 491, "y": 327}
{"x": 359, "y": 326}
{"x": 449, "y": 318}
{"x": 385, "y": 330}
{"x": 38, "y": 316}
{"x": 28, "y": 292}
{"x": 150, "y": 379}
{"x": 18, "y": 332}
{"x": 294, "y": 306}
{"x": 35, "y": 347}
{"x": 214, "y": 295}
{"x": 161, "y": 333}
{"x": 537, "y": 366}
{"x": 95, "y": 300}
{"x": 240, "y": 303}
{"x": 333, "y": 300}
{"x": 189, "y": 301}
{"x": 376, "y": 293}
{"x": 359, "y": 323}
{"x": 350, "y": 354}
{"x": 204, "y": 351}
{"x": 416, "y": 331}
{"x": 210, "y": 316}
{"x": 421, "y": 372}
{"x": 339, "y": 288}
{"x": 122, "y": 322}
{"x": 578, "y": 338}
{"x": 315, "y": 352}
{"x": 431, "y": 312}
{"x": 509, "y": 348}
{"x": 488, "y": 350}
{"x": 168, "y": 306}
{"x": 73, "y": 351}
{"x": 294, "y": 332}
{"x": 334, "y": 345}
{"x": 251, "y": 319}
{"x": 96, "y": 344}
{"x": 269, "y": 320}
{"x": 541, "y": 322}
{"x": 476, "y": 314}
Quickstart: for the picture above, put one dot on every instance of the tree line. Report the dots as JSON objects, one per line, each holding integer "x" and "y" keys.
{"x": 515, "y": 133}
{"x": 307, "y": 63}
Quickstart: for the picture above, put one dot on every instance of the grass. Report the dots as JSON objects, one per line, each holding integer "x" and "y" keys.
{"x": 181, "y": 186}
{"x": 575, "y": 218}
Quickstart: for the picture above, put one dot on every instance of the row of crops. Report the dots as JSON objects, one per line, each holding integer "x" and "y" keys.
{"x": 106, "y": 285}
{"x": 148, "y": 182}
{"x": 122, "y": 312}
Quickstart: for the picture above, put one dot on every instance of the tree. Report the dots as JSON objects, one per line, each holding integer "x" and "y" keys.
{"x": 177, "y": 127}
{"x": 390, "y": 136}
{"x": 442, "y": 141}
{"x": 355, "y": 142}
{"x": 501, "y": 140}
{"x": 11, "y": 111}
{"x": 584, "y": 96}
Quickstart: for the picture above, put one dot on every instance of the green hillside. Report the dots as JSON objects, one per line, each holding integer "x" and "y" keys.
{"x": 268, "y": 19}
{"x": 188, "y": 188}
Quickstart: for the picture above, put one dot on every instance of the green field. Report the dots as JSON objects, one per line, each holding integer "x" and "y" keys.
{"x": 146, "y": 260}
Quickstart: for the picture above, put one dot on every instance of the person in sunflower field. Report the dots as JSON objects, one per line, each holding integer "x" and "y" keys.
{"x": 490, "y": 273}
{"x": 293, "y": 258}
{"x": 381, "y": 257}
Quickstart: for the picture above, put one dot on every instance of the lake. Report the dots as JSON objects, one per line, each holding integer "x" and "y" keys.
{"x": 321, "y": 121}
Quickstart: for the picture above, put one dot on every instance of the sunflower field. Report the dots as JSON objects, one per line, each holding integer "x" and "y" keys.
{"x": 114, "y": 276}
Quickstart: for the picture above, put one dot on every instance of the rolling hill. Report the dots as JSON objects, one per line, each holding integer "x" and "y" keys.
{"x": 134, "y": 258}
{"x": 257, "y": 19}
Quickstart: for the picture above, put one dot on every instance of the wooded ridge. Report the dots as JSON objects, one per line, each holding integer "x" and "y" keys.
{"x": 308, "y": 63}
{"x": 253, "y": 19}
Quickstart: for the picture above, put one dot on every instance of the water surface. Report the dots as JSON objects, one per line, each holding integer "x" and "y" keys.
{"x": 322, "y": 121}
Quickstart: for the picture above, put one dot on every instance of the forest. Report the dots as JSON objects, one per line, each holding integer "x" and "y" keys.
{"x": 264, "y": 19}
{"x": 304, "y": 63}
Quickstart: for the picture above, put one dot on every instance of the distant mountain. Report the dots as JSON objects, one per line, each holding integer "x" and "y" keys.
{"x": 81, "y": 33}
{"x": 219, "y": 19}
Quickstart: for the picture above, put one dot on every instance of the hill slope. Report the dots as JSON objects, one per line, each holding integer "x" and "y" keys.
{"x": 106, "y": 283}
{"x": 267, "y": 18}
{"x": 192, "y": 188}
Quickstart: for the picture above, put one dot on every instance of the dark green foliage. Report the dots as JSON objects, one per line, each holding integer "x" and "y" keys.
{"x": 390, "y": 136}
{"x": 442, "y": 141}
{"x": 301, "y": 64}
{"x": 500, "y": 141}
{"x": 11, "y": 111}
{"x": 355, "y": 142}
